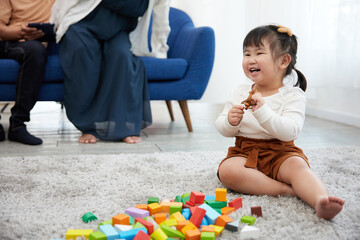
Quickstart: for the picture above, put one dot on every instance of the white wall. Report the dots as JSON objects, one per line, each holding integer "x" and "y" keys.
{"x": 328, "y": 54}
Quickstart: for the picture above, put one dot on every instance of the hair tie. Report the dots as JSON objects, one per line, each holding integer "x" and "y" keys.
{"x": 283, "y": 29}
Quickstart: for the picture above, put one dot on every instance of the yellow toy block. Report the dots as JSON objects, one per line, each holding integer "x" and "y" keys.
{"x": 188, "y": 226}
{"x": 227, "y": 210}
{"x": 218, "y": 229}
{"x": 159, "y": 234}
{"x": 159, "y": 217}
{"x": 74, "y": 233}
{"x": 177, "y": 216}
{"x": 220, "y": 195}
{"x": 169, "y": 222}
{"x": 154, "y": 208}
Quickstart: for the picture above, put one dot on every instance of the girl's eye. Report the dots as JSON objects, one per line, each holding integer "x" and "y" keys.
{"x": 260, "y": 53}
{"x": 246, "y": 54}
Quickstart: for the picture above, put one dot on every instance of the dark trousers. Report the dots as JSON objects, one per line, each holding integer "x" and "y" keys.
{"x": 32, "y": 57}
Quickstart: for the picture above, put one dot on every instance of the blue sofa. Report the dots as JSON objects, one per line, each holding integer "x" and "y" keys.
{"x": 183, "y": 76}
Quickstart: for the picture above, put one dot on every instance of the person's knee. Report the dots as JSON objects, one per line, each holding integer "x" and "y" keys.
{"x": 35, "y": 52}
{"x": 229, "y": 174}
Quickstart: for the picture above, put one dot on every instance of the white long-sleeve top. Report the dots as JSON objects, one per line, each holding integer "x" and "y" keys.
{"x": 64, "y": 13}
{"x": 281, "y": 117}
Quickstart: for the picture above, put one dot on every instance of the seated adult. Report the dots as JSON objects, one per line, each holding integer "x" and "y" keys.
{"x": 18, "y": 42}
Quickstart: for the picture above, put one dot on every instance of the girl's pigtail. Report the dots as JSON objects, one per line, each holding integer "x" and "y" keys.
{"x": 301, "y": 82}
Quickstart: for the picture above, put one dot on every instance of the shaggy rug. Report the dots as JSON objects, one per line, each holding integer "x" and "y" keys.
{"x": 42, "y": 197}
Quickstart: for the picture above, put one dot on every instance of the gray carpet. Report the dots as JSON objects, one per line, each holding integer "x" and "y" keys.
{"x": 42, "y": 197}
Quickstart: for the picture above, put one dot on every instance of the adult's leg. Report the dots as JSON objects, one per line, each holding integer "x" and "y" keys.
{"x": 32, "y": 57}
{"x": 308, "y": 187}
{"x": 234, "y": 175}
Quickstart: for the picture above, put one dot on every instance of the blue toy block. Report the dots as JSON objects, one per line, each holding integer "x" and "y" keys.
{"x": 211, "y": 214}
{"x": 109, "y": 231}
{"x": 186, "y": 213}
{"x": 204, "y": 222}
{"x": 130, "y": 234}
{"x": 209, "y": 197}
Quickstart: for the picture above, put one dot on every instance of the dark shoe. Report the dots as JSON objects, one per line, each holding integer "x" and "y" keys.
{"x": 21, "y": 135}
{"x": 2, "y": 133}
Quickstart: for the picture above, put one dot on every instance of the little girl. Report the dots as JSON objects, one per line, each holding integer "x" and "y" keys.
{"x": 264, "y": 159}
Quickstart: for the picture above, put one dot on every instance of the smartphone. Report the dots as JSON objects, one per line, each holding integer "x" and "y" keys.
{"x": 48, "y": 30}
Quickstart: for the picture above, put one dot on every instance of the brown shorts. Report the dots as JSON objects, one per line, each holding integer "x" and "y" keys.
{"x": 266, "y": 155}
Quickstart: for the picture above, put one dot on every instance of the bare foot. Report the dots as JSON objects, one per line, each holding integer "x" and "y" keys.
{"x": 132, "y": 139}
{"x": 328, "y": 207}
{"x": 87, "y": 138}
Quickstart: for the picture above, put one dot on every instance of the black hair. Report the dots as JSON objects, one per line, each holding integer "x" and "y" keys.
{"x": 280, "y": 44}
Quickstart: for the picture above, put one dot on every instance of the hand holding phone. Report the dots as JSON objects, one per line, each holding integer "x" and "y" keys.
{"x": 47, "y": 30}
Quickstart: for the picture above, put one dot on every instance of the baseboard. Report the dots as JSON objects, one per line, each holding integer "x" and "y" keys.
{"x": 340, "y": 117}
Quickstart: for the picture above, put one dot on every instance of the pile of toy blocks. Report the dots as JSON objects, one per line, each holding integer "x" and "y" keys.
{"x": 192, "y": 216}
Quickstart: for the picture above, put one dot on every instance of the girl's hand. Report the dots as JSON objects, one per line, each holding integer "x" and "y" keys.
{"x": 259, "y": 100}
{"x": 30, "y": 33}
{"x": 235, "y": 114}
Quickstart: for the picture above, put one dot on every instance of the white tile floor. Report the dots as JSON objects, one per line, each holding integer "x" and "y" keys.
{"x": 49, "y": 122}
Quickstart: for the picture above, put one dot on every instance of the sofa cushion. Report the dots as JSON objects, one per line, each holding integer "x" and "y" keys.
{"x": 156, "y": 69}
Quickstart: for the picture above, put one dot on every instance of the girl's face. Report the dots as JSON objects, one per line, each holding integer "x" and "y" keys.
{"x": 259, "y": 64}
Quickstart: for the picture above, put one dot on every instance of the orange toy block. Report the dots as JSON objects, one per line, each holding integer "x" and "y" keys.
{"x": 236, "y": 203}
{"x": 198, "y": 216}
{"x": 227, "y": 210}
{"x": 208, "y": 228}
{"x": 223, "y": 220}
{"x": 159, "y": 217}
{"x": 188, "y": 226}
{"x": 193, "y": 234}
{"x": 220, "y": 195}
{"x": 121, "y": 219}
{"x": 154, "y": 208}
{"x": 165, "y": 206}
{"x": 181, "y": 224}
{"x": 143, "y": 206}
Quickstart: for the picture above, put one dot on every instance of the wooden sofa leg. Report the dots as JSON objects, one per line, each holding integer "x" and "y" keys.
{"x": 169, "y": 106}
{"x": 185, "y": 111}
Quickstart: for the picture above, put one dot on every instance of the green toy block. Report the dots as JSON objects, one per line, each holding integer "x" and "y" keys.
{"x": 207, "y": 236}
{"x": 216, "y": 204}
{"x": 185, "y": 195}
{"x": 170, "y": 232}
{"x": 97, "y": 236}
{"x": 104, "y": 223}
{"x": 174, "y": 209}
{"x": 153, "y": 200}
{"x": 185, "y": 199}
{"x": 138, "y": 225}
{"x": 131, "y": 219}
{"x": 248, "y": 219}
{"x": 177, "y": 198}
{"x": 88, "y": 217}
{"x": 218, "y": 210}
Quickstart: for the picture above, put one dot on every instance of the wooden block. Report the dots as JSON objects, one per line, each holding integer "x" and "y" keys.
{"x": 136, "y": 212}
{"x": 170, "y": 232}
{"x": 177, "y": 216}
{"x": 142, "y": 206}
{"x": 236, "y": 203}
{"x": 197, "y": 216}
{"x": 220, "y": 195}
{"x": 207, "y": 229}
{"x": 188, "y": 226}
{"x": 159, "y": 234}
{"x": 227, "y": 210}
{"x": 131, "y": 233}
{"x": 121, "y": 227}
{"x": 181, "y": 224}
{"x": 109, "y": 231}
{"x": 121, "y": 219}
{"x": 74, "y": 233}
{"x": 249, "y": 232}
{"x": 211, "y": 214}
{"x": 218, "y": 229}
{"x": 197, "y": 197}
{"x": 248, "y": 219}
{"x": 207, "y": 236}
{"x": 233, "y": 226}
{"x": 148, "y": 225}
{"x": 153, "y": 200}
{"x": 97, "y": 236}
{"x": 223, "y": 220}
{"x": 154, "y": 208}
{"x": 141, "y": 235}
{"x": 256, "y": 211}
{"x": 193, "y": 234}
{"x": 160, "y": 217}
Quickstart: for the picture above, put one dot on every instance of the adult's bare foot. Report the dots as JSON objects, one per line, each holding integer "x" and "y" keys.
{"x": 328, "y": 207}
{"x": 87, "y": 138}
{"x": 132, "y": 139}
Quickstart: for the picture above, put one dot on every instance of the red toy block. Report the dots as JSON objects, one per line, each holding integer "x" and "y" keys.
{"x": 256, "y": 211}
{"x": 197, "y": 198}
{"x": 149, "y": 226}
{"x": 198, "y": 216}
{"x": 192, "y": 209}
{"x": 141, "y": 235}
{"x": 236, "y": 203}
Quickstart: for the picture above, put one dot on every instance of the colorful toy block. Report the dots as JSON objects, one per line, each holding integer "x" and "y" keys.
{"x": 88, "y": 217}
{"x": 227, "y": 210}
{"x": 160, "y": 217}
{"x": 141, "y": 235}
{"x": 248, "y": 219}
{"x": 211, "y": 215}
{"x": 121, "y": 219}
{"x": 192, "y": 234}
{"x": 207, "y": 236}
{"x": 170, "y": 232}
{"x": 149, "y": 226}
{"x": 181, "y": 224}
{"x": 218, "y": 229}
{"x": 121, "y": 227}
{"x": 216, "y": 204}
{"x": 109, "y": 231}
{"x": 153, "y": 200}
{"x": 249, "y": 232}
{"x": 236, "y": 203}
{"x": 197, "y": 216}
{"x": 154, "y": 208}
{"x": 169, "y": 222}
{"x": 142, "y": 206}
{"x": 256, "y": 211}
{"x": 197, "y": 198}
{"x": 177, "y": 216}
{"x": 129, "y": 235}
{"x": 189, "y": 226}
{"x": 152, "y": 221}
{"x": 207, "y": 229}
{"x": 223, "y": 220}
{"x": 233, "y": 226}
{"x": 136, "y": 212}
{"x": 209, "y": 197}
{"x": 165, "y": 206}
{"x": 204, "y": 222}
{"x": 220, "y": 195}
{"x": 159, "y": 234}
{"x": 97, "y": 236}
{"x": 178, "y": 198}
{"x": 74, "y": 233}
{"x": 186, "y": 213}
{"x": 138, "y": 225}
